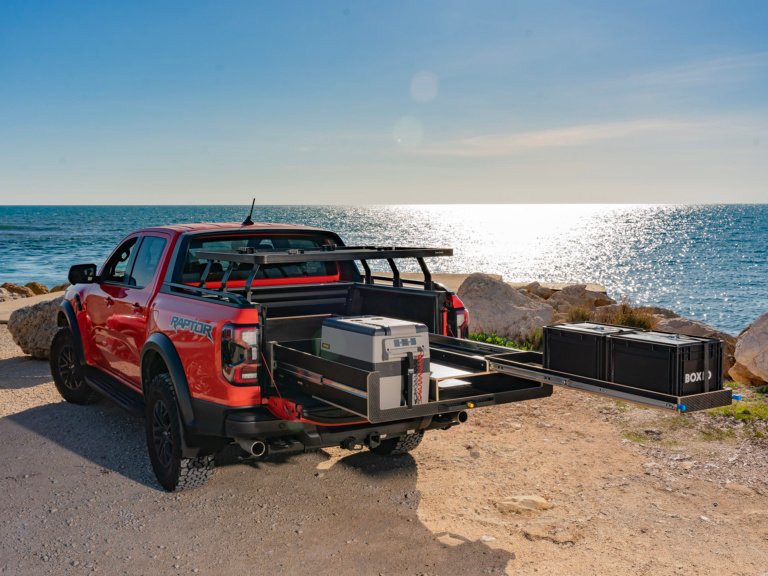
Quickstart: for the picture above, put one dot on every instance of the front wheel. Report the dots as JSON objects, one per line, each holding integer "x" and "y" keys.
{"x": 398, "y": 445}
{"x": 164, "y": 440}
{"x": 67, "y": 372}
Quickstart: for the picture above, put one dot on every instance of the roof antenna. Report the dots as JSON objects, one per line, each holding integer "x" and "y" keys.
{"x": 248, "y": 221}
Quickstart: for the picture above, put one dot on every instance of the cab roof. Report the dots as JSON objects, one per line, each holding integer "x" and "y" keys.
{"x": 229, "y": 227}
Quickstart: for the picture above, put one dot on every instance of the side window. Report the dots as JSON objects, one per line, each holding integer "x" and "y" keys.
{"x": 147, "y": 261}
{"x": 117, "y": 265}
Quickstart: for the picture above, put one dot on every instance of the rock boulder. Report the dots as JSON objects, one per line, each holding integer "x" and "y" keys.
{"x": 742, "y": 375}
{"x": 690, "y": 327}
{"x": 37, "y": 288}
{"x": 19, "y": 290}
{"x": 6, "y": 295}
{"x": 577, "y": 296}
{"x": 658, "y": 311}
{"x": 537, "y": 289}
{"x": 33, "y": 327}
{"x": 751, "y": 353}
{"x": 495, "y": 307}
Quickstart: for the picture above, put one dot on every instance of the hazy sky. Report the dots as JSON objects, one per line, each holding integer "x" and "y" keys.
{"x": 383, "y": 102}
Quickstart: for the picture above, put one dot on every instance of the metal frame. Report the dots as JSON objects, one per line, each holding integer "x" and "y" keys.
{"x": 324, "y": 254}
{"x": 357, "y": 391}
{"x": 528, "y": 365}
{"x": 534, "y": 371}
{"x": 332, "y": 253}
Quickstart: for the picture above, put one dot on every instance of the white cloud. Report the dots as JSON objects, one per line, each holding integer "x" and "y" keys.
{"x": 701, "y": 71}
{"x": 568, "y": 136}
{"x": 677, "y": 133}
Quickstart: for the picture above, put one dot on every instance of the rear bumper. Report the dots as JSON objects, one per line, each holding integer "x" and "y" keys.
{"x": 257, "y": 423}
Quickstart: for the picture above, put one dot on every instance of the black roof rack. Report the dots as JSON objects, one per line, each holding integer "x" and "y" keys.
{"x": 323, "y": 254}
{"x": 255, "y": 258}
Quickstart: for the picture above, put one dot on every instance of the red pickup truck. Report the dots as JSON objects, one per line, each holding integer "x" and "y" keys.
{"x": 185, "y": 341}
{"x": 215, "y": 333}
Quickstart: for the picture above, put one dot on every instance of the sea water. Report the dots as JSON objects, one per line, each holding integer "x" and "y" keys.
{"x": 705, "y": 262}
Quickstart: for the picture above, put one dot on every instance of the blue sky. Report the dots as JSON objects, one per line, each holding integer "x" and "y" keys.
{"x": 383, "y": 102}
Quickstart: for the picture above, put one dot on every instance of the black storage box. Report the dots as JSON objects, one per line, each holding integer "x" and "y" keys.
{"x": 669, "y": 363}
{"x": 579, "y": 348}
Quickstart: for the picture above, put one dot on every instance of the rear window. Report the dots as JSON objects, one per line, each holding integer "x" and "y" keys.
{"x": 194, "y": 265}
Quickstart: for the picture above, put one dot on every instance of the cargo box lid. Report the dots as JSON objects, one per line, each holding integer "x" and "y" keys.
{"x": 590, "y": 328}
{"x": 375, "y": 325}
{"x": 660, "y": 338}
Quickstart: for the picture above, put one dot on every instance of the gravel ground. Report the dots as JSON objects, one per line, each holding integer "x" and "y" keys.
{"x": 78, "y": 496}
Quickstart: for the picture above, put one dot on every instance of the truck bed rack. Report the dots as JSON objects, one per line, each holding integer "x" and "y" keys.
{"x": 332, "y": 253}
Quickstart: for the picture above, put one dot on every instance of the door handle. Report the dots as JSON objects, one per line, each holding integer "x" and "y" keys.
{"x": 109, "y": 301}
{"x": 137, "y": 308}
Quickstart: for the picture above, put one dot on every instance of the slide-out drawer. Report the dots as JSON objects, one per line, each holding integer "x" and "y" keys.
{"x": 529, "y": 366}
{"x": 358, "y": 390}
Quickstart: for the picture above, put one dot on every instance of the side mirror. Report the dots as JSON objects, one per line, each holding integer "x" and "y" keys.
{"x": 82, "y": 274}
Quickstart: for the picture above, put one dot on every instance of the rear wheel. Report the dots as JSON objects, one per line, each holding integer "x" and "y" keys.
{"x": 67, "y": 372}
{"x": 398, "y": 445}
{"x": 164, "y": 440}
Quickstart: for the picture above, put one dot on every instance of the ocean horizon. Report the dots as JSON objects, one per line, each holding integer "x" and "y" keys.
{"x": 706, "y": 262}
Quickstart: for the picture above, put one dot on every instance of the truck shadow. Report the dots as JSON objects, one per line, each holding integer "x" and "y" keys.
{"x": 360, "y": 513}
{"x": 105, "y": 435}
{"x": 23, "y": 372}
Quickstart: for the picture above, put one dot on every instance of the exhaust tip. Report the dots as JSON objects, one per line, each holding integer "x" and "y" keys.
{"x": 463, "y": 416}
{"x": 258, "y": 449}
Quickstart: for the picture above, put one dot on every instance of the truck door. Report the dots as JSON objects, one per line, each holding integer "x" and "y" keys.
{"x": 120, "y": 324}
{"x": 101, "y": 298}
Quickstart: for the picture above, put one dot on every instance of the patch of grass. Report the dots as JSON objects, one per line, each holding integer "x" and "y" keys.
{"x": 578, "y": 314}
{"x": 625, "y": 315}
{"x": 733, "y": 384}
{"x": 743, "y": 411}
{"x": 621, "y": 406}
{"x": 762, "y": 390}
{"x": 711, "y": 433}
{"x": 679, "y": 422}
{"x": 533, "y": 342}
{"x": 536, "y": 339}
{"x": 635, "y": 436}
{"x": 492, "y": 339}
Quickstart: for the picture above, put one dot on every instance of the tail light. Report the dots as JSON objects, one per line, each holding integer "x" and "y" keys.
{"x": 240, "y": 354}
{"x": 460, "y": 317}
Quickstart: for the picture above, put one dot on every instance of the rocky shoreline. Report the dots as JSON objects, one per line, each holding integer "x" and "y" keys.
{"x": 11, "y": 291}
{"x": 519, "y": 313}
{"x": 511, "y": 311}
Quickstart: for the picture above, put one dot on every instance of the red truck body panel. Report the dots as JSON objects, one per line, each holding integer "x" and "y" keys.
{"x": 200, "y": 353}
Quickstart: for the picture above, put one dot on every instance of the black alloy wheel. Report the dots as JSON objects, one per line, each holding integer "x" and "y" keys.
{"x": 67, "y": 372}
{"x": 165, "y": 440}
{"x": 161, "y": 426}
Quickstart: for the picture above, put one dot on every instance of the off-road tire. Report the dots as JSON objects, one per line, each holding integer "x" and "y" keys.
{"x": 398, "y": 445}
{"x": 174, "y": 472}
{"x": 67, "y": 372}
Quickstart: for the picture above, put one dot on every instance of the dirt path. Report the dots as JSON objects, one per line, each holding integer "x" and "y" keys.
{"x": 77, "y": 496}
